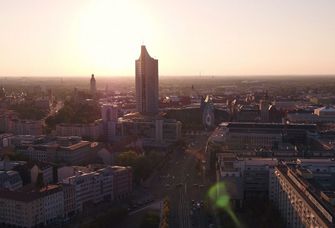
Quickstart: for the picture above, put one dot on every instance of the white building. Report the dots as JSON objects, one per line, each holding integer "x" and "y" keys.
{"x": 305, "y": 192}
{"x": 32, "y": 208}
{"x": 92, "y": 186}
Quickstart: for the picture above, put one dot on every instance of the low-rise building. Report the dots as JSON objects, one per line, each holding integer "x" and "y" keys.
{"x": 10, "y": 180}
{"x": 153, "y": 130}
{"x": 11, "y": 123}
{"x": 92, "y": 131}
{"x": 243, "y": 135}
{"x": 69, "y": 150}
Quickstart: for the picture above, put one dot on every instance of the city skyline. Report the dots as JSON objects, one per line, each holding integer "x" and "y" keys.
{"x": 195, "y": 38}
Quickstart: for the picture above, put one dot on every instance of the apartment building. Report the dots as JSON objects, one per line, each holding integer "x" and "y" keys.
{"x": 305, "y": 192}
{"x": 32, "y": 208}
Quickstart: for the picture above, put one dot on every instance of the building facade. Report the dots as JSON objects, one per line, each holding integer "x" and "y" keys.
{"x": 92, "y": 131}
{"x": 304, "y": 192}
{"x": 146, "y": 81}
{"x": 91, "y": 185}
{"x": 10, "y": 180}
{"x": 236, "y": 135}
{"x": 246, "y": 178}
{"x": 93, "y": 87}
{"x": 32, "y": 208}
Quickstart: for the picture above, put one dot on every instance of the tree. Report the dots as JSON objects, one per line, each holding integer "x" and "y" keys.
{"x": 128, "y": 158}
{"x": 75, "y": 112}
{"x": 141, "y": 164}
{"x": 150, "y": 220}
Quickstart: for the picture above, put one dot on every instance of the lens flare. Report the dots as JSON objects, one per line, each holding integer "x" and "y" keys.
{"x": 220, "y": 199}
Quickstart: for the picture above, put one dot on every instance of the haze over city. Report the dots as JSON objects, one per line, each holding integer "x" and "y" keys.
{"x": 167, "y": 114}
{"x": 217, "y": 37}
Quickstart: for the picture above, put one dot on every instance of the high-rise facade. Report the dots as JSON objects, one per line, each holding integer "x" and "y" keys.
{"x": 93, "y": 87}
{"x": 146, "y": 83}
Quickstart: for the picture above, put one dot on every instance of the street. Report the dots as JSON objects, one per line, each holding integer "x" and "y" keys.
{"x": 182, "y": 180}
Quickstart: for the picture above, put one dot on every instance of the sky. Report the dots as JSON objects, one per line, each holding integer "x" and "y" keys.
{"x": 188, "y": 37}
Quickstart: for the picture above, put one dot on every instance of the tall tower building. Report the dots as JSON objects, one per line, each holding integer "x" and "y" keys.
{"x": 264, "y": 108}
{"x": 146, "y": 83}
{"x": 93, "y": 85}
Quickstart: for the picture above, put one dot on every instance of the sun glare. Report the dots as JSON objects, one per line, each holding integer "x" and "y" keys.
{"x": 110, "y": 33}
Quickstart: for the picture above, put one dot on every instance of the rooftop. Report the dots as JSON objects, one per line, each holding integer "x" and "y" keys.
{"x": 29, "y": 193}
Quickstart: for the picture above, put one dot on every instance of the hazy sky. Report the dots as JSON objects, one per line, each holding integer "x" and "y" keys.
{"x": 189, "y": 37}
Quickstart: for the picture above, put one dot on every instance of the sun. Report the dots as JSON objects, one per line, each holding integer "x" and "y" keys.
{"x": 110, "y": 33}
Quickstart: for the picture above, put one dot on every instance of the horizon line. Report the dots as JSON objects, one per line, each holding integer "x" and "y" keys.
{"x": 176, "y": 75}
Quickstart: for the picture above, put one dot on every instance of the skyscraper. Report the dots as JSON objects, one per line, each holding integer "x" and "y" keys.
{"x": 93, "y": 85}
{"x": 264, "y": 107}
{"x": 146, "y": 83}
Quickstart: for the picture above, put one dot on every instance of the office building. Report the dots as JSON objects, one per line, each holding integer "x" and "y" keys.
{"x": 261, "y": 135}
{"x": 147, "y": 125}
{"x": 246, "y": 178}
{"x": 305, "y": 192}
{"x": 146, "y": 81}
{"x": 151, "y": 130}
{"x": 264, "y": 108}
{"x": 92, "y": 131}
{"x": 93, "y": 87}
{"x": 68, "y": 150}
